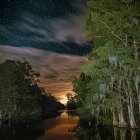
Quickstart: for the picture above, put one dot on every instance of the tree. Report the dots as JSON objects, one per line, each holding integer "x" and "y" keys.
{"x": 71, "y": 101}
{"x": 20, "y": 94}
{"x": 80, "y": 87}
{"x": 18, "y": 89}
{"x": 115, "y": 61}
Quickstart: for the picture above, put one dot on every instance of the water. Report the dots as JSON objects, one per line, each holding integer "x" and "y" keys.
{"x": 101, "y": 132}
{"x": 66, "y": 126}
{"x": 59, "y": 128}
{"x": 56, "y": 128}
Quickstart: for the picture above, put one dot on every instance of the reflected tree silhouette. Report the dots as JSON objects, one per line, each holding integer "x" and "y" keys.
{"x": 102, "y": 132}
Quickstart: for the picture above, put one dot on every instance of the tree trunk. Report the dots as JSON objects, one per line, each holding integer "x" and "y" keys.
{"x": 131, "y": 112}
{"x": 115, "y": 118}
{"x": 98, "y": 110}
{"x": 0, "y": 123}
{"x": 133, "y": 134}
{"x": 137, "y": 85}
{"x": 122, "y": 134}
{"x": 0, "y": 115}
{"x": 116, "y": 133}
{"x": 122, "y": 122}
{"x": 139, "y": 102}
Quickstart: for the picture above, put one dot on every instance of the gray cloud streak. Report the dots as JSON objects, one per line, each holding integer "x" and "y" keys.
{"x": 69, "y": 29}
{"x": 35, "y": 29}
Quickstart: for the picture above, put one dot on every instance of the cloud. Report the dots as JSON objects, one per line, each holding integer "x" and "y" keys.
{"x": 57, "y": 70}
{"x": 53, "y": 26}
{"x": 32, "y": 27}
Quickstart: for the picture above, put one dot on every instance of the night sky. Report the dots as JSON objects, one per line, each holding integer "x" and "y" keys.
{"x": 50, "y": 34}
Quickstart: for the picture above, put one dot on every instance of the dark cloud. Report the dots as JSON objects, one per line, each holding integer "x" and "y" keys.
{"x": 31, "y": 25}
{"x": 34, "y": 29}
{"x": 37, "y": 27}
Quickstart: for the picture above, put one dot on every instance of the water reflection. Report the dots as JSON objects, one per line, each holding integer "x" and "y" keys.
{"x": 86, "y": 132}
{"x": 66, "y": 126}
{"x": 56, "y": 128}
{"x": 59, "y": 128}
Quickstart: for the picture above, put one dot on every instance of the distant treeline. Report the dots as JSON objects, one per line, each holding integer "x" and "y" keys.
{"x": 20, "y": 95}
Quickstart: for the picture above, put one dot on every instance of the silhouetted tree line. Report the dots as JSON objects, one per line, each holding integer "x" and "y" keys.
{"x": 20, "y": 94}
{"x": 72, "y": 103}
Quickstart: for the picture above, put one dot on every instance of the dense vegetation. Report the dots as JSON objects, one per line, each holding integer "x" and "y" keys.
{"x": 20, "y": 94}
{"x": 109, "y": 87}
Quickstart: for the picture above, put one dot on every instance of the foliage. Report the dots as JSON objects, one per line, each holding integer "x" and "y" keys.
{"x": 72, "y": 102}
{"x": 18, "y": 83}
{"x": 20, "y": 94}
{"x": 114, "y": 68}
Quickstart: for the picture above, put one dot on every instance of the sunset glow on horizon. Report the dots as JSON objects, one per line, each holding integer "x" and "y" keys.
{"x": 54, "y": 41}
{"x": 57, "y": 70}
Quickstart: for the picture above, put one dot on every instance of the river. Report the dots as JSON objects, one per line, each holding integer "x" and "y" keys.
{"x": 60, "y": 127}
{"x": 65, "y": 127}
{"x": 56, "y": 128}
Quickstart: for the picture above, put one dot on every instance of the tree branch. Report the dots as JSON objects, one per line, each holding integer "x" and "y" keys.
{"x": 112, "y": 32}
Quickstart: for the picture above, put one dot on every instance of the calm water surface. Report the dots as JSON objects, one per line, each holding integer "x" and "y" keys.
{"x": 64, "y": 127}
{"x": 57, "y": 128}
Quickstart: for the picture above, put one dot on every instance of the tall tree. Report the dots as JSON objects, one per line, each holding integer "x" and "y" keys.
{"x": 114, "y": 67}
{"x": 18, "y": 89}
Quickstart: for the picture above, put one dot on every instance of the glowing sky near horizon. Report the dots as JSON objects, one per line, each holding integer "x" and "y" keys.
{"x": 51, "y": 35}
